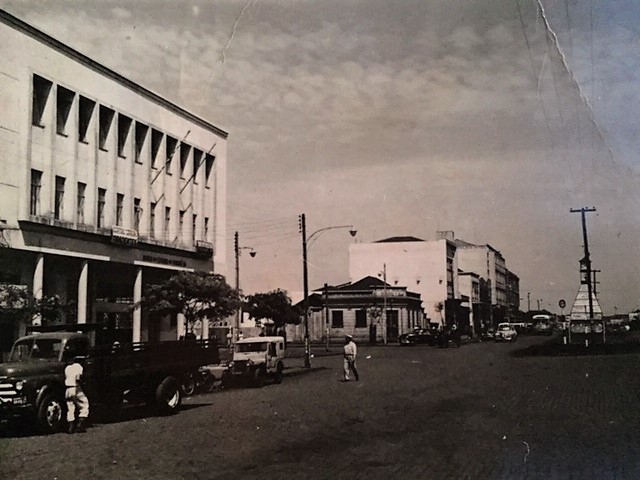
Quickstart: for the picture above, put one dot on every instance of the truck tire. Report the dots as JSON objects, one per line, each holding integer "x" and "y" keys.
{"x": 258, "y": 377}
{"x": 51, "y": 413}
{"x": 168, "y": 396}
{"x": 188, "y": 384}
{"x": 277, "y": 377}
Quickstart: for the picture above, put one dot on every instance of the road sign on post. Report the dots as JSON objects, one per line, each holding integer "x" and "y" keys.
{"x": 562, "y": 303}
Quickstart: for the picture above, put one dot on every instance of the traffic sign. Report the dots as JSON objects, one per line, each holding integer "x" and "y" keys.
{"x": 562, "y": 303}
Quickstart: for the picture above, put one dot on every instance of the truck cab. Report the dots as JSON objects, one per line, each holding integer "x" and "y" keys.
{"x": 32, "y": 381}
{"x": 256, "y": 359}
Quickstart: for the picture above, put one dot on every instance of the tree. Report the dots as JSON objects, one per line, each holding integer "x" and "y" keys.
{"x": 275, "y": 306}
{"x": 196, "y": 295}
{"x": 19, "y": 302}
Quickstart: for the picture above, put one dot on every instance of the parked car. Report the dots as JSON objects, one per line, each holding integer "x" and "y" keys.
{"x": 506, "y": 332}
{"x": 418, "y": 336}
{"x": 488, "y": 334}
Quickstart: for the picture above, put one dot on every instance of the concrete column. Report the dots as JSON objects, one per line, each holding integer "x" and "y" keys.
{"x": 38, "y": 285}
{"x": 205, "y": 328}
{"x": 181, "y": 326}
{"x": 137, "y": 312}
{"x": 83, "y": 282}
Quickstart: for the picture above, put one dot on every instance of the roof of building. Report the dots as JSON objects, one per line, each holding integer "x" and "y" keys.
{"x": 399, "y": 239}
{"x": 66, "y": 50}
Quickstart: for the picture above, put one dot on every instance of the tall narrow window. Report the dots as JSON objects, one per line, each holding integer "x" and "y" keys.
{"x": 119, "y": 206}
{"x": 361, "y": 318}
{"x": 137, "y": 213}
{"x": 141, "y": 135}
{"x": 102, "y": 198}
{"x": 80, "y": 202}
{"x": 206, "y": 228}
{"x": 167, "y": 221}
{"x": 194, "y": 224}
{"x": 36, "y": 185}
{"x": 197, "y": 159}
{"x": 152, "y": 220}
{"x": 337, "y": 320}
{"x": 208, "y": 165}
{"x": 64, "y": 102}
{"x": 185, "y": 150}
{"x": 181, "y": 233}
{"x": 58, "y": 203}
{"x": 41, "y": 90}
{"x": 172, "y": 144}
{"x": 124, "y": 126}
{"x": 85, "y": 112}
{"x": 105, "y": 121}
{"x": 156, "y": 141}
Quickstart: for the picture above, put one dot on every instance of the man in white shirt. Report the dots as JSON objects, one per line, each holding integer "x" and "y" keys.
{"x": 75, "y": 397}
{"x": 350, "y": 352}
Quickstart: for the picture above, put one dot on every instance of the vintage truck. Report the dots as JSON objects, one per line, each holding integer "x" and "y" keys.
{"x": 32, "y": 382}
{"x": 255, "y": 359}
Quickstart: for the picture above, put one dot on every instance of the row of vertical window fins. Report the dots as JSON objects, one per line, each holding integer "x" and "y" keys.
{"x": 65, "y": 99}
{"x": 34, "y": 209}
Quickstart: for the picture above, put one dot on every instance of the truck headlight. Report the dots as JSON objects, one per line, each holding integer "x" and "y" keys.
{"x": 20, "y": 385}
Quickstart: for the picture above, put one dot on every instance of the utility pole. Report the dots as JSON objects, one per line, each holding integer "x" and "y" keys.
{"x": 528, "y": 301}
{"x": 585, "y": 263}
{"x": 236, "y": 248}
{"x": 384, "y": 302}
{"x": 307, "y": 351}
{"x": 326, "y": 314}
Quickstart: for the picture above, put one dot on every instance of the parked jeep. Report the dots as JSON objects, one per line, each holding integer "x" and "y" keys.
{"x": 255, "y": 359}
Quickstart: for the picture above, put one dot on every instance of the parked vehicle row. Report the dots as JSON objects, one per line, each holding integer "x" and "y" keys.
{"x": 159, "y": 374}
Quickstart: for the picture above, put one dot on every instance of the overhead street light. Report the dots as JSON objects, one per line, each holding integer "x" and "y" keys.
{"x": 305, "y": 274}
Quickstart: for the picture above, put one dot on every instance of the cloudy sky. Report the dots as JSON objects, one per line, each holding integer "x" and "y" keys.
{"x": 400, "y": 117}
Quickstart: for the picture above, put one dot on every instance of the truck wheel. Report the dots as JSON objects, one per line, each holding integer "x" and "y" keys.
{"x": 51, "y": 413}
{"x": 258, "y": 378}
{"x": 188, "y": 384}
{"x": 168, "y": 396}
{"x": 277, "y": 377}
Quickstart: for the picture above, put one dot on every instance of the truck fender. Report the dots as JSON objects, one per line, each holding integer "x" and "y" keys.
{"x": 46, "y": 389}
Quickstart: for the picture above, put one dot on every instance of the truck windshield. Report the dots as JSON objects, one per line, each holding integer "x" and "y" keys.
{"x": 251, "y": 347}
{"x": 39, "y": 349}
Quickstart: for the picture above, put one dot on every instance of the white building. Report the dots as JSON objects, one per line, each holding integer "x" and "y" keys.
{"x": 105, "y": 186}
{"x": 428, "y": 268}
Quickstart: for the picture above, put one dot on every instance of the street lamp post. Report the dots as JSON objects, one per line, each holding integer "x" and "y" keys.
{"x": 238, "y": 250}
{"x": 305, "y": 242}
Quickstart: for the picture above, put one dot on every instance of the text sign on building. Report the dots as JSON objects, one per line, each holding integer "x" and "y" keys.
{"x": 124, "y": 236}
{"x": 204, "y": 248}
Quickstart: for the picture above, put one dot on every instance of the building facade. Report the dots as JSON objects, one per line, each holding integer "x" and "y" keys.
{"x": 490, "y": 265}
{"x": 106, "y": 186}
{"x": 357, "y": 309}
{"x": 427, "y": 267}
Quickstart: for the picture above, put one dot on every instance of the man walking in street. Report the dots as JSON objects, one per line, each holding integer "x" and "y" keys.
{"x": 75, "y": 397}
{"x": 350, "y": 352}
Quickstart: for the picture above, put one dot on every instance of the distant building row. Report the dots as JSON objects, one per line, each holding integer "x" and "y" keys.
{"x": 446, "y": 282}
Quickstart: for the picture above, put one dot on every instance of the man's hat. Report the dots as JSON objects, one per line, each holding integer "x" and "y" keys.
{"x": 349, "y": 337}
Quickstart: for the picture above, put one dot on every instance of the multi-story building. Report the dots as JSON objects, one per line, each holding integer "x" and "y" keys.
{"x": 490, "y": 265}
{"x": 105, "y": 186}
{"x": 357, "y": 309}
{"x": 426, "y": 267}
